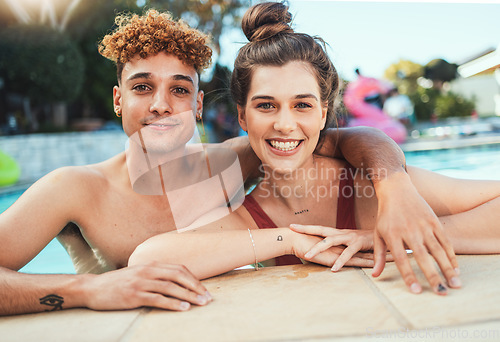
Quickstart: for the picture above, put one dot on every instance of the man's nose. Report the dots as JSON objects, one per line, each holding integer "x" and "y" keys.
{"x": 161, "y": 104}
{"x": 285, "y": 121}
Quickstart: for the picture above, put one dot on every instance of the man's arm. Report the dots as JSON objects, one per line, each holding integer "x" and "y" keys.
{"x": 364, "y": 148}
{"x": 35, "y": 219}
{"x": 404, "y": 217}
{"x": 170, "y": 287}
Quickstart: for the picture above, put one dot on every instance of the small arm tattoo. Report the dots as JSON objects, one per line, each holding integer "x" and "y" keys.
{"x": 52, "y": 300}
{"x": 280, "y": 238}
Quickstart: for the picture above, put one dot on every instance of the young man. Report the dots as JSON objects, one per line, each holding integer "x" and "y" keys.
{"x": 98, "y": 216}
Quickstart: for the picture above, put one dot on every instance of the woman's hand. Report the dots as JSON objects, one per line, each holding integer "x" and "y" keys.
{"x": 339, "y": 247}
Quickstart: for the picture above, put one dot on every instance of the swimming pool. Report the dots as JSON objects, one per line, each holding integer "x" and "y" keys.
{"x": 52, "y": 259}
{"x": 479, "y": 162}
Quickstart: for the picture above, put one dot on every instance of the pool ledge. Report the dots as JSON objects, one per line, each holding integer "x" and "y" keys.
{"x": 300, "y": 302}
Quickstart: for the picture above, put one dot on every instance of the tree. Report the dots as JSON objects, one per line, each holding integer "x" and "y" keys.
{"x": 440, "y": 71}
{"x": 40, "y": 64}
{"x": 404, "y": 75}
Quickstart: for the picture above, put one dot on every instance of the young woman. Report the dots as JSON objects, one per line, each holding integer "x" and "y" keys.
{"x": 284, "y": 85}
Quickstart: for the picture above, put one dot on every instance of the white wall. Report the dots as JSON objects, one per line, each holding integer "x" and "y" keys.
{"x": 483, "y": 87}
{"x": 38, "y": 154}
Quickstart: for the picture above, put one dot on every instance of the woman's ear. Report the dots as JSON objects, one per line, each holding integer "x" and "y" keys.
{"x": 324, "y": 114}
{"x": 241, "y": 117}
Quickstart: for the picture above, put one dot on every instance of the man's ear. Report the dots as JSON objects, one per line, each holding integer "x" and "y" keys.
{"x": 199, "y": 101}
{"x": 241, "y": 117}
{"x": 117, "y": 99}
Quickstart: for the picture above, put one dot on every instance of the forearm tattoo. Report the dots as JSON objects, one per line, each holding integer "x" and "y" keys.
{"x": 52, "y": 300}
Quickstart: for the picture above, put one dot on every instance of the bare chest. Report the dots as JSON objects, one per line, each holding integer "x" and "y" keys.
{"x": 117, "y": 224}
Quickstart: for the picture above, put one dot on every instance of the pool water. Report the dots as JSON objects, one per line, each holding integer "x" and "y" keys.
{"x": 52, "y": 259}
{"x": 481, "y": 162}
{"x": 478, "y": 162}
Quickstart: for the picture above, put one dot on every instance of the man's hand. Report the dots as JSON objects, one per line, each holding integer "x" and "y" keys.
{"x": 406, "y": 220}
{"x": 169, "y": 287}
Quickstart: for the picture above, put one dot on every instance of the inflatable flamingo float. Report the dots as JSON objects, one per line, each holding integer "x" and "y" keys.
{"x": 366, "y": 114}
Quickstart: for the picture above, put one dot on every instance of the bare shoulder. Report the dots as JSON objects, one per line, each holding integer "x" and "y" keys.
{"x": 74, "y": 183}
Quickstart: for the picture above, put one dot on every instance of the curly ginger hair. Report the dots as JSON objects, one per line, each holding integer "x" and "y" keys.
{"x": 152, "y": 33}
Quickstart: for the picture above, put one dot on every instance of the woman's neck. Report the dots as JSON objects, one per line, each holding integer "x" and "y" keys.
{"x": 291, "y": 188}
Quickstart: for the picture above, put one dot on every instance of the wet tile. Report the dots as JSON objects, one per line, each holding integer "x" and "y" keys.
{"x": 274, "y": 303}
{"x": 478, "y": 300}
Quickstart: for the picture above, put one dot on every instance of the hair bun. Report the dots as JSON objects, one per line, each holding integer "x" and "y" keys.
{"x": 265, "y": 20}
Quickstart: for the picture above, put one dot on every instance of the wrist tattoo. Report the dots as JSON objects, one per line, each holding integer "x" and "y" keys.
{"x": 302, "y": 211}
{"x": 52, "y": 300}
{"x": 280, "y": 238}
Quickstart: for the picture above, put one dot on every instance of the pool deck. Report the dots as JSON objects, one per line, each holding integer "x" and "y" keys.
{"x": 300, "y": 302}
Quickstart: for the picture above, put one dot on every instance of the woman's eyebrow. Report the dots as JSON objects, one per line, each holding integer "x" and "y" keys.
{"x": 306, "y": 96}
{"x": 262, "y": 97}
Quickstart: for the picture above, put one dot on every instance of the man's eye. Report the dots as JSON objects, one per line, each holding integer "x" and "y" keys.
{"x": 181, "y": 91}
{"x": 141, "y": 87}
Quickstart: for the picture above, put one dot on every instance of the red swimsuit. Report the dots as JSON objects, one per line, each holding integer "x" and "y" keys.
{"x": 345, "y": 211}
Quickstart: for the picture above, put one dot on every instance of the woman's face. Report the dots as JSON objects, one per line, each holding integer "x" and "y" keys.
{"x": 283, "y": 115}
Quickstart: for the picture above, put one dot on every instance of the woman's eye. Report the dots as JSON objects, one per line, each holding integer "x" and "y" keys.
{"x": 303, "y": 105}
{"x": 265, "y": 106}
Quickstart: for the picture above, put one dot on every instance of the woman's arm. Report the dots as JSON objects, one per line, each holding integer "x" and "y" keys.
{"x": 226, "y": 244}
{"x": 468, "y": 209}
{"x": 210, "y": 253}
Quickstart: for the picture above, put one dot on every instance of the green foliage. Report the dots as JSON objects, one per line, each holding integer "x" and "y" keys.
{"x": 424, "y": 102}
{"x": 404, "y": 75}
{"x": 41, "y": 63}
{"x": 429, "y": 102}
{"x": 451, "y": 105}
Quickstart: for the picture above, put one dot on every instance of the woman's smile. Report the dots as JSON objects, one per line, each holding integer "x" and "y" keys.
{"x": 284, "y": 146}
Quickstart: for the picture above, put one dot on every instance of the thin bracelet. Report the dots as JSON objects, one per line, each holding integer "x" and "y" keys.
{"x": 254, "y": 253}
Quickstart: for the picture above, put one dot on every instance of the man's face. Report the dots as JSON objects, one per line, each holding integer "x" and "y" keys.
{"x": 159, "y": 97}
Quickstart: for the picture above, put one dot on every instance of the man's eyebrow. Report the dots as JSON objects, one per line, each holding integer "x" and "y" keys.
{"x": 146, "y": 75}
{"x": 180, "y": 77}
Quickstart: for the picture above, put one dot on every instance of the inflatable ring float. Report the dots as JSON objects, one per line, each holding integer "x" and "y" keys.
{"x": 9, "y": 170}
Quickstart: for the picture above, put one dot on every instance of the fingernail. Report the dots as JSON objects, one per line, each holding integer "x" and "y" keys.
{"x": 335, "y": 268}
{"x": 202, "y": 300}
{"x": 208, "y": 295}
{"x": 308, "y": 255}
{"x": 455, "y": 282}
{"x": 294, "y": 225}
{"x": 457, "y": 271}
{"x": 415, "y": 288}
{"x": 184, "y": 306}
{"x": 441, "y": 288}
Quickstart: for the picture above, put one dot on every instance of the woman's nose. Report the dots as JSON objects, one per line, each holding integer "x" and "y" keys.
{"x": 285, "y": 121}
